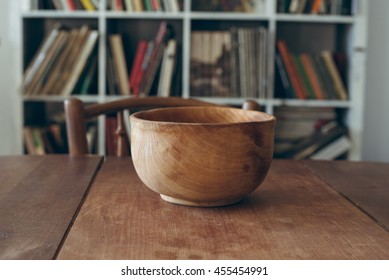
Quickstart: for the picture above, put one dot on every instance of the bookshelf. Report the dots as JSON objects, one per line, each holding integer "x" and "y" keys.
{"x": 302, "y": 33}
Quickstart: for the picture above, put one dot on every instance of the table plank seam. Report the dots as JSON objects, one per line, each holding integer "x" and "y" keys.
{"x": 78, "y": 208}
{"x": 347, "y": 198}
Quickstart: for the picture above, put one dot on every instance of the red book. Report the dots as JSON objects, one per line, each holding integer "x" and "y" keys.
{"x": 119, "y": 5}
{"x": 289, "y": 67}
{"x": 137, "y": 64}
{"x": 72, "y": 5}
{"x": 145, "y": 64}
{"x": 155, "y": 58}
{"x": 155, "y": 5}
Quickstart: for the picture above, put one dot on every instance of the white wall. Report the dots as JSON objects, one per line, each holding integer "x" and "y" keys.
{"x": 376, "y": 125}
{"x": 10, "y": 123}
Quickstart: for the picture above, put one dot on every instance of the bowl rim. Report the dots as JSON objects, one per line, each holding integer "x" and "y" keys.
{"x": 271, "y": 118}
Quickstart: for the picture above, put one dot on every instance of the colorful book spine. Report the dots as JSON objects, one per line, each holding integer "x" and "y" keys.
{"x": 312, "y": 75}
{"x": 137, "y": 65}
{"x": 290, "y": 69}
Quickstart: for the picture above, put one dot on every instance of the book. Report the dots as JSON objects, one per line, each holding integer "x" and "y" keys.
{"x": 304, "y": 77}
{"x": 333, "y": 150}
{"x": 294, "y": 6}
{"x": 324, "y": 77}
{"x": 290, "y": 69}
{"x": 295, "y": 123}
{"x": 320, "y": 139}
{"x": 260, "y": 52}
{"x": 61, "y": 72}
{"x": 145, "y": 64}
{"x": 301, "y": 6}
{"x": 88, "y": 5}
{"x": 33, "y": 141}
{"x": 287, "y": 87}
{"x": 316, "y": 6}
{"x": 86, "y": 50}
{"x": 218, "y": 59}
{"x": 196, "y": 62}
{"x": 168, "y": 62}
{"x": 173, "y": 5}
{"x": 63, "y": 69}
{"x": 112, "y": 81}
{"x": 334, "y": 74}
{"x": 154, "y": 59}
{"x": 36, "y": 63}
{"x": 312, "y": 76}
{"x": 225, "y": 63}
{"x": 147, "y": 5}
{"x": 234, "y": 64}
{"x": 129, "y": 5}
{"x": 242, "y": 63}
{"x": 151, "y": 71}
{"x": 85, "y": 81}
{"x": 35, "y": 88}
{"x": 136, "y": 66}
{"x": 70, "y": 5}
{"x": 120, "y": 64}
{"x": 138, "y": 6}
{"x": 309, "y": 145}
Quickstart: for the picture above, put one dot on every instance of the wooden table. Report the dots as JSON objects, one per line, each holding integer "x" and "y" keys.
{"x": 39, "y": 198}
{"x": 303, "y": 210}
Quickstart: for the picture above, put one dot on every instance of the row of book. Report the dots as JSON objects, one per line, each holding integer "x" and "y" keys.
{"x": 144, "y": 5}
{"x": 64, "y": 5}
{"x": 65, "y": 62}
{"x": 45, "y": 140}
{"x": 310, "y": 133}
{"x": 229, "y": 63}
{"x": 243, "y": 6}
{"x": 114, "y": 5}
{"x": 152, "y": 59}
{"x": 308, "y": 76}
{"x": 327, "y": 7}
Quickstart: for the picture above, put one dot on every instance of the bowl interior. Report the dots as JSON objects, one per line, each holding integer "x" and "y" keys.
{"x": 212, "y": 115}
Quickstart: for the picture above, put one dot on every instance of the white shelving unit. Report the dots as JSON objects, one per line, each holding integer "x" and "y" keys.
{"x": 353, "y": 33}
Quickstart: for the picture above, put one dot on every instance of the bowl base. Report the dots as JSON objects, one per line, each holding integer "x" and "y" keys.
{"x": 223, "y": 202}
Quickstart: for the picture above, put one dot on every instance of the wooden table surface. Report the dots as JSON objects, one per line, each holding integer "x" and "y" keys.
{"x": 39, "y": 197}
{"x": 365, "y": 184}
{"x": 297, "y": 213}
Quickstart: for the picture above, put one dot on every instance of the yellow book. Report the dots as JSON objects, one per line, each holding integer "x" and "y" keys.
{"x": 88, "y": 5}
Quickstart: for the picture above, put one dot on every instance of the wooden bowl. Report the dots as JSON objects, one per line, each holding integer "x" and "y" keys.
{"x": 202, "y": 156}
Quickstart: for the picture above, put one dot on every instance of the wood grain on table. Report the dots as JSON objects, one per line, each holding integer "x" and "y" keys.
{"x": 365, "y": 184}
{"x": 39, "y": 197}
{"x": 293, "y": 215}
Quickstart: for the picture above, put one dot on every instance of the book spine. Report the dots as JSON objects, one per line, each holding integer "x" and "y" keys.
{"x": 286, "y": 59}
{"x": 152, "y": 70}
{"x": 304, "y": 77}
{"x": 334, "y": 74}
{"x": 136, "y": 67}
{"x": 33, "y": 67}
{"x": 88, "y": 5}
{"x": 324, "y": 77}
{"x": 289, "y": 93}
{"x": 120, "y": 62}
{"x": 81, "y": 61}
{"x": 312, "y": 76}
